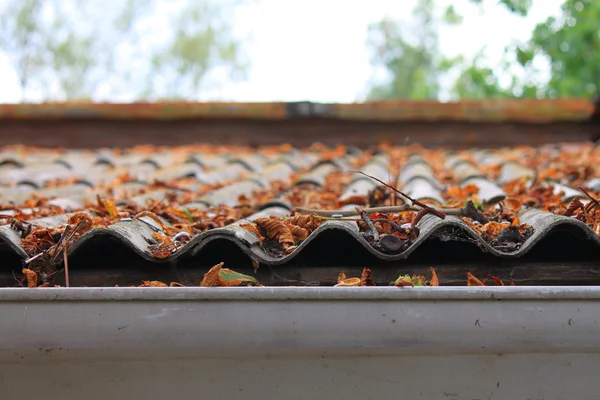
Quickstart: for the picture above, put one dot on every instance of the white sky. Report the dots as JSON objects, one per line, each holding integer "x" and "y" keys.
{"x": 316, "y": 49}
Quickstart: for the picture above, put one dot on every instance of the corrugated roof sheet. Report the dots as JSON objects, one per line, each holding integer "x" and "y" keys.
{"x": 273, "y": 202}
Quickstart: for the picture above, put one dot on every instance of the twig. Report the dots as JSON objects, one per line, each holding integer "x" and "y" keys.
{"x": 415, "y": 202}
{"x": 396, "y": 179}
{"x": 369, "y": 223}
{"x": 30, "y": 259}
{"x": 593, "y": 204}
{"x": 372, "y": 210}
{"x": 64, "y": 239}
{"x": 66, "y": 266}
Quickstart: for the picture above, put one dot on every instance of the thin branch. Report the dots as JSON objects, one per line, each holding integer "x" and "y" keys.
{"x": 369, "y": 223}
{"x": 382, "y": 210}
{"x": 415, "y": 202}
{"x": 66, "y": 266}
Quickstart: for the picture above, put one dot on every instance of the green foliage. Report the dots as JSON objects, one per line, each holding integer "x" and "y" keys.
{"x": 520, "y": 7}
{"x": 409, "y": 54}
{"x": 200, "y": 42}
{"x": 569, "y": 44}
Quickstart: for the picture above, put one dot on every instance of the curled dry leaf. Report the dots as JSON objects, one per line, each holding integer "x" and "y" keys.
{"x": 473, "y": 281}
{"x": 253, "y": 229}
{"x": 434, "y": 278}
{"x": 298, "y": 232}
{"x": 402, "y": 281}
{"x": 306, "y": 221}
{"x": 108, "y": 206}
{"x": 366, "y": 278}
{"x": 497, "y": 281}
{"x": 349, "y": 282}
{"x": 31, "y": 277}
{"x": 276, "y": 230}
{"x": 153, "y": 284}
{"x": 512, "y": 204}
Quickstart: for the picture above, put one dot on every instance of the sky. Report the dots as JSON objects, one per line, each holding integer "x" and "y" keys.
{"x": 316, "y": 49}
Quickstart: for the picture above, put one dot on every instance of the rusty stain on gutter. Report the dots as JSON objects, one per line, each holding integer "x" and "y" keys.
{"x": 528, "y": 111}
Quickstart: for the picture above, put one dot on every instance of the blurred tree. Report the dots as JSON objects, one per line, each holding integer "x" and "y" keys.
{"x": 477, "y": 81}
{"x": 22, "y": 40}
{"x": 76, "y": 49}
{"x": 410, "y": 54}
{"x": 201, "y": 42}
{"x": 571, "y": 44}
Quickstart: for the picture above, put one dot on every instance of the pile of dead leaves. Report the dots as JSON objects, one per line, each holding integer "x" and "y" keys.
{"x": 280, "y": 236}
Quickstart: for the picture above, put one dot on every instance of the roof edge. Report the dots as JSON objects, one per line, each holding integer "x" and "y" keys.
{"x": 514, "y": 110}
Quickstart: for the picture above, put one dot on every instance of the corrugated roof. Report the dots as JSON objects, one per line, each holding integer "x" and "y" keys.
{"x": 273, "y": 204}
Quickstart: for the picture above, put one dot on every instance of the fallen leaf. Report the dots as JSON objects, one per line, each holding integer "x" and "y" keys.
{"x": 418, "y": 280}
{"x": 297, "y": 232}
{"x": 497, "y": 281}
{"x": 219, "y": 276}
{"x": 231, "y": 278}
{"x": 108, "y": 205}
{"x": 366, "y": 278}
{"x": 153, "y": 284}
{"x": 402, "y": 281}
{"x": 276, "y": 230}
{"x": 473, "y": 281}
{"x": 31, "y": 277}
{"x": 176, "y": 284}
{"x": 253, "y": 229}
{"x": 211, "y": 278}
{"x": 434, "y": 278}
{"x": 341, "y": 277}
{"x": 349, "y": 282}
{"x": 512, "y": 204}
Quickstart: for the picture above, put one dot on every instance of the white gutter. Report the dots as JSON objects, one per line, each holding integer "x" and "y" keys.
{"x": 363, "y": 332}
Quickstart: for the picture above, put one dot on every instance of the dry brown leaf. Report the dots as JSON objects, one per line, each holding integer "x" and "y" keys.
{"x": 252, "y": 229}
{"x": 512, "y": 204}
{"x": 349, "y": 282}
{"x": 473, "y": 281}
{"x": 434, "y": 278}
{"x": 341, "y": 277}
{"x": 497, "y": 281}
{"x": 403, "y": 282}
{"x": 176, "y": 284}
{"x": 297, "y": 232}
{"x": 108, "y": 205}
{"x": 211, "y": 278}
{"x": 305, "y": 221}
{"x": 366, "y": 278}
{"x": 31, "y": 277}
{"x": 276, "y": 230}
{"x": 153, "y": 284}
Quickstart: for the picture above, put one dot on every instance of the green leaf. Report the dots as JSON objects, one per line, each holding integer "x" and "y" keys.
{"x": 232, "y": 278}
{"x": 188, "y": 214}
